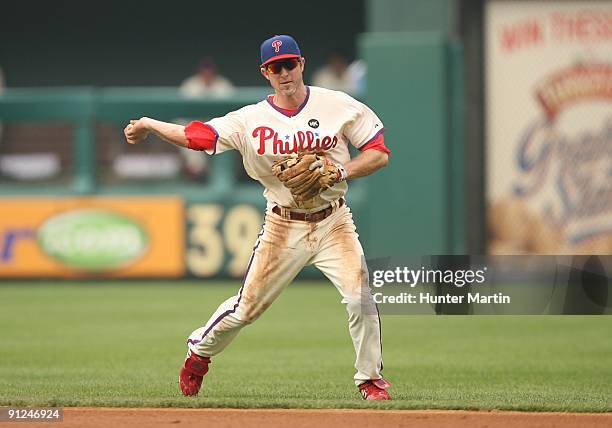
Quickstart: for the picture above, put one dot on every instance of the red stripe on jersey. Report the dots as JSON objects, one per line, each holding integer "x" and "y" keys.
{"x": 200, "y": 136}
{"x": 286, "y": 111}
{"x": 378, "y": 143}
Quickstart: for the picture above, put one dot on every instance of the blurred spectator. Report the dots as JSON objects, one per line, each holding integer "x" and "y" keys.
{"x": 358, "y": 70}
{"x": 207, "y": 81}
{"x": 337, "y": 74}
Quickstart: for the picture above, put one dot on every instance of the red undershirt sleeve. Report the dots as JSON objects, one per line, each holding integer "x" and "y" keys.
{"x": 200, "y": 136}
{"x": 377, "y": 143}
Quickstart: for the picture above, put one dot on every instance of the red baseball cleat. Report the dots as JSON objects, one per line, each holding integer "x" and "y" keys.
{"x": 375, "y": 389}
{"x": 193, "y": 371}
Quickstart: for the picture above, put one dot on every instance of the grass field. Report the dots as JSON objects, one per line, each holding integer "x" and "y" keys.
{"x": 121, "y": 344}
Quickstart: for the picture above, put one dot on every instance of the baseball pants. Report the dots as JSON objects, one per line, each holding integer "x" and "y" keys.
{"x": 282, "y": 249}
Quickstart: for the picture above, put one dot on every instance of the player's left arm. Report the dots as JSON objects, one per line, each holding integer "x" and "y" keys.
{"x": 365, "y": 132}
{"x": 366, "y": 163}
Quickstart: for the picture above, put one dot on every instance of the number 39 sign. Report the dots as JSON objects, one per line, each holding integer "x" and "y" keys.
{"x": 221, "y": 238}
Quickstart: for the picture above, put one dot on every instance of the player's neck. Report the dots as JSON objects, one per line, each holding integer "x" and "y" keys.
{"x": 290, "y": 102}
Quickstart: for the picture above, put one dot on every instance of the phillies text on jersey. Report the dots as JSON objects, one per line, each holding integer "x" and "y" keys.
{"x": 327, "y": 121}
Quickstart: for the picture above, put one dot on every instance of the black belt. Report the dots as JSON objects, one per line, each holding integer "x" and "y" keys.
{"x": 311, "y": 217}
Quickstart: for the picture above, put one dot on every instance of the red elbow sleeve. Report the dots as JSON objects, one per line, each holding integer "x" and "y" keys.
{"x": 200, "y": 136}
{"x": 377, "y": 143}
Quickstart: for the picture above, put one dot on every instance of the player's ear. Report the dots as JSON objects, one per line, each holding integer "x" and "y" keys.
{"x": 262, "y": 70}
{"x": 302, "y": 61}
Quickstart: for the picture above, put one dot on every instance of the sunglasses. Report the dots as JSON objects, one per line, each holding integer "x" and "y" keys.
{"x": 276, "y": 66}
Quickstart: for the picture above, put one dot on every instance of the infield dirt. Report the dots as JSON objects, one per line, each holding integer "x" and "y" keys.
{"x": 299, "y": 418}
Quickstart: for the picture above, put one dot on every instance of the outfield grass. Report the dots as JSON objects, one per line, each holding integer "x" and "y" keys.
{"x": 121, "y": 344}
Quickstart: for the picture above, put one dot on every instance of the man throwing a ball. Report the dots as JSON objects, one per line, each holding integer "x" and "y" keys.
{"x": 295, "y": 143}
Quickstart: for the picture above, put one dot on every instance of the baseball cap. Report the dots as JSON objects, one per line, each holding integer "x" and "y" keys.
{"x": 279, "y": 47}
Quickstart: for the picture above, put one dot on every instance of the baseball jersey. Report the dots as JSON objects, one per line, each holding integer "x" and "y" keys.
{"x": 327, "y": 121}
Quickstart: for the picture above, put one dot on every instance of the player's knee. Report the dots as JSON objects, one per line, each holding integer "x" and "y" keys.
{"x": 249, "y": 318}
{"x": 358, "y": 305}
{"x": 353, "y": 305}
{"x": 252, "y": 312}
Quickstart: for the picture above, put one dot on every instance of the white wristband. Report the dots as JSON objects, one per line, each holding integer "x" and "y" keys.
{"x": 342, "y": 172}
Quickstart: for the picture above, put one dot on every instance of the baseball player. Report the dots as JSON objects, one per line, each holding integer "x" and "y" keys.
{"x": 295, "y": 143}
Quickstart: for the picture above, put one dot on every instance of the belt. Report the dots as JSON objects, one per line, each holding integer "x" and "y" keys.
{"x": 312, "y": 217}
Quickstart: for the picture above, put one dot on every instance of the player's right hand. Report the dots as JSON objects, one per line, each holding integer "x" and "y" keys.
{"x": 135, "y": 131}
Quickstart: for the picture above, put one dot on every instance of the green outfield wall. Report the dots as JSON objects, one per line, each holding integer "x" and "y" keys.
{"x": 414, "y": 84}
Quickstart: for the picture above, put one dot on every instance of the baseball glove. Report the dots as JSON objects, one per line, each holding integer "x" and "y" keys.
{"x": 307, "y": 174}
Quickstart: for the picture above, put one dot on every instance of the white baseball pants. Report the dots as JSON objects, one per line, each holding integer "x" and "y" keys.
{"x": 283, "y": 248}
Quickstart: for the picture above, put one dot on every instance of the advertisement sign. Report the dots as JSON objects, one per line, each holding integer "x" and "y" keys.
{"x": 92, "y": 236}
{"x": 549, "y": 127}
{"x": 220, "y": 238}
